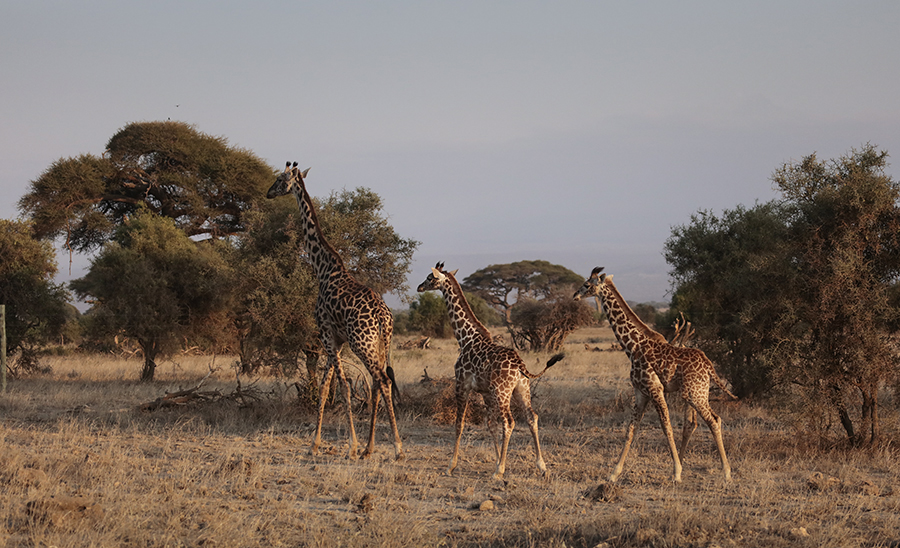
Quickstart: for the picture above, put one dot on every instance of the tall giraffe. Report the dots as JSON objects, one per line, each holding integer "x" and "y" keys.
{"x": 657, "y": 367}
{"x": 346, "y": 312}
{"x": 495, "y": 371}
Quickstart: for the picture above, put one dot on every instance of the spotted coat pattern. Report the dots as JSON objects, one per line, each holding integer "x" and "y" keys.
{"x": 658, "y": 367}
{"x": 346, "y": 312}
{"x": 495, "y": 371}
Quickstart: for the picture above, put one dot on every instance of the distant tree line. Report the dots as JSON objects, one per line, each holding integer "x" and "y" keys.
{"x": 797, "y": 298}
{"x": 532, "y": 299}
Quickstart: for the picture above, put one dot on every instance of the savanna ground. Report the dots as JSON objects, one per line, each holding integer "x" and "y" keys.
{"x": 82, "y": 465}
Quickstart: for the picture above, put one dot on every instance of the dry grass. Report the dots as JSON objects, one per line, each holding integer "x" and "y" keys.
{"x": 80, "y": 465}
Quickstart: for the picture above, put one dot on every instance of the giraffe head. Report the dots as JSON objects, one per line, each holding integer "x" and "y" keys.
{"x": 436, "y": 279}
{"x": 591, "y": 286}
{"x": 287, "y": 180}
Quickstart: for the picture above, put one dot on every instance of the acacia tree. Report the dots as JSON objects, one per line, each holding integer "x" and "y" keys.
{"x": 157, "y": 286}
{"x": 355, "y": 225}
{"x": 278, "y": 287}
{"x": 36, "y": 308}
{"x": 801, "y": 289}
{"x": 499, "y": 283}
{"x": 846, "y": 232}
{"x": 428, "y": 314}
{"x": 544, "y": 323}
{"x": 169, "y": 168}
{"x": 734, "y": 280}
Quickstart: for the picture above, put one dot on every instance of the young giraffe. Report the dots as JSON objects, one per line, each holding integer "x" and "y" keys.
{"x": 495, "y": 371}
{"x": 346, "y": 311}
{"x": 657, "y": 367}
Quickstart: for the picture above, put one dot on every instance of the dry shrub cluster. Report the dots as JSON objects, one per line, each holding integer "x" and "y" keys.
{"x": 81, "y": 465}
{"x": 435, "y": 398}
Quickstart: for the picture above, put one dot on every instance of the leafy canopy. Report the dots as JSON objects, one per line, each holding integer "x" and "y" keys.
{"x": 36, "y": 308}
{"x": 170, "y": 168}
{"x": 538, "y": 316}
{"x": 497, "y": 283}
{"x": 278, "y": 287}
{"x": 157, "y": 286}
{"x": 800, "y": 293}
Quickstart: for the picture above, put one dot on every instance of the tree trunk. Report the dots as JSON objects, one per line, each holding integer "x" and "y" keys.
{"x": 870, "y": 412}
{"x": 150, "y": 350}
{"x": 312, "y": 370}
{"x": 844, "y": 416}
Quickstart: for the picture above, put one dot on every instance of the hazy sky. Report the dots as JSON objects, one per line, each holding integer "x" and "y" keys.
{"x": 576, "y": 132}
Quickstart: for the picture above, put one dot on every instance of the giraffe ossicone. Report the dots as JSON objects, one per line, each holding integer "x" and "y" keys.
{"x": 495, "y": 371}
{"x": 346, "y": 312}
{"x": 658, "y": 367}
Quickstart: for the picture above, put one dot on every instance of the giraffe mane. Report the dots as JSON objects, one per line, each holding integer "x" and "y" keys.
{"x": 467, "y": 309}
{"x": 632, "y": 316}
{"x": 315, "y": 218}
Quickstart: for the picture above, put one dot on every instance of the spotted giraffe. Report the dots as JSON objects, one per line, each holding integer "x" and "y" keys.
{"x": 346, "y": 312}
{"x": 657, "y": 367}
{"x": 495, "y": 371}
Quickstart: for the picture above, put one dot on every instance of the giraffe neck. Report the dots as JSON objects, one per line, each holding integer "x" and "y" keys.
{"x": 466, "y": 326}
{"x": 628, "y": 327}
{"x": 324, "y": 258}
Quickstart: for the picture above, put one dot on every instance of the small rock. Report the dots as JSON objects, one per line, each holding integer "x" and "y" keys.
{"x": 486, "y": 506}
{"x": 799, "y": 532}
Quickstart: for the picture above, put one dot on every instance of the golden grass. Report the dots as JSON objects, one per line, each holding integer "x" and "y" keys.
{"x": 219, "y": 474}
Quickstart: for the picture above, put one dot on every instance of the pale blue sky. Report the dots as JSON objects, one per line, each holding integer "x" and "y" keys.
{"x": 576, "y": 132}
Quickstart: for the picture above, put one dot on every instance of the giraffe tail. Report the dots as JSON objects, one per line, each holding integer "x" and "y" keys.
{"x": 555, "y": 358}
{"x": 720, "y": 382}
{"x": 386, "y": 355}
{"x": 395, "y": 392}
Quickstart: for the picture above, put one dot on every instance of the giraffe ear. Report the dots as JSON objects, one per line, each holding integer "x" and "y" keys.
{"x": 437, "y": 273}
{"x": 303, "y": 174}
{"x": 454, "y": 272}
{"x": 607, "y": 277}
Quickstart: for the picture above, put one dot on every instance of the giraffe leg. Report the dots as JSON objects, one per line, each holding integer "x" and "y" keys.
{"x": 640, "y": 405}
{"x": 323, "y": 396}
{"x": 388, "y": 394}
{"x": 508, "y": 424}
{"x": 714, "y": 422}
{"x": 490, "y": 425}
{"x": 462, "y": 403}
{"x": 380, "y": 388}
{"x": 690, "y": 425}
{"x": 347, "y": 398}
{"x": 373, "y": 404}
{"x": 659, "y": 401}
{"x": 523, "y": 394}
